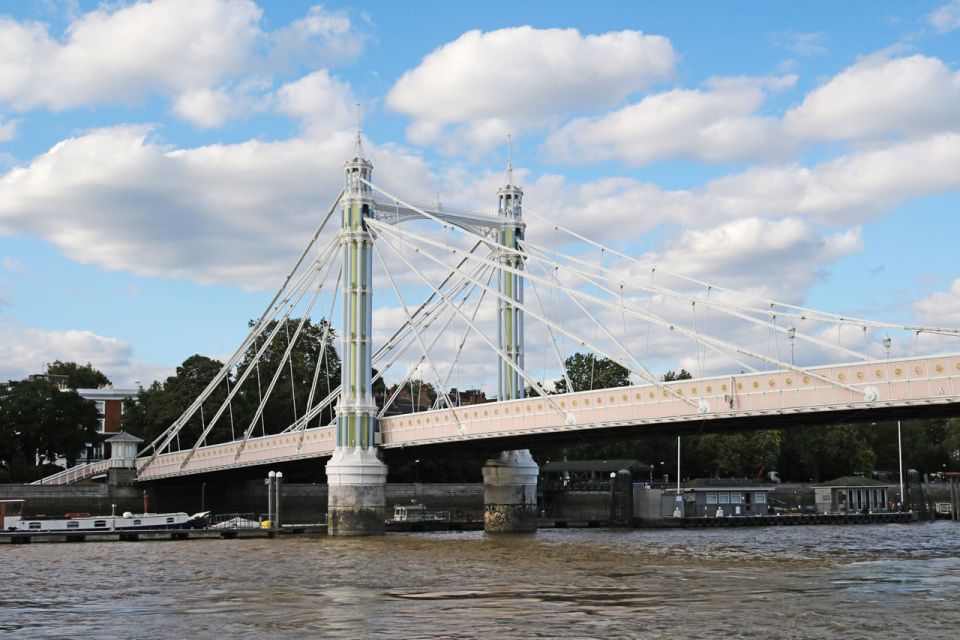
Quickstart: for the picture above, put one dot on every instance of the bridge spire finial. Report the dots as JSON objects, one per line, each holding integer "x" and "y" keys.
{"x": 508, "y": 179}
{"x": 359, "y": 144}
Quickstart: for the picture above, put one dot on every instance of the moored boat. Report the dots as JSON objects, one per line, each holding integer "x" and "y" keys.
{"x": 12, "y": 520}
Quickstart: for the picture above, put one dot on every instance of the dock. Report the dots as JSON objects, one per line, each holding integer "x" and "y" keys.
{"x": 794, "y": 519}
{"x": 31, "y": 537}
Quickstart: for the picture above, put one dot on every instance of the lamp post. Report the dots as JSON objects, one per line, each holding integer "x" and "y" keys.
{"x": 203, "y": 496}
{"x": 900, "y": 451}
{"x": 886, "y": 345}
{"x": 791, "y": 334}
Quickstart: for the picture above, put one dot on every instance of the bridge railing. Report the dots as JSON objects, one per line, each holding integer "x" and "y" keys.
{"x": 75, "y": 474}
{"x": 899, "y": 382}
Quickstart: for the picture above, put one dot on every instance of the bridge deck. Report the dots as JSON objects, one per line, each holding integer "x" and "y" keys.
{"x": 899, "y": 383}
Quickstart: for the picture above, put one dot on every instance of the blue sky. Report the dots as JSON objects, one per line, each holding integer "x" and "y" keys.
{"x": 161, "y": 163}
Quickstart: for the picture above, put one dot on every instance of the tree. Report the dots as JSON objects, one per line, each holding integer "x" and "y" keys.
{"x": 82, "y": 376}
{"x": 288, "y": 400}
{"x": 586, "y": 372}
{"x": 672, "y": 376}
{"x": 156, "y": 408}
{"x": 731, "y": 454}
{"x": 41, "y": 421}
{"x": 820, "y": 453}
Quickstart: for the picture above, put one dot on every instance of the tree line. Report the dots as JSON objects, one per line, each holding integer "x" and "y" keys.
{"x": 40, "y": 422}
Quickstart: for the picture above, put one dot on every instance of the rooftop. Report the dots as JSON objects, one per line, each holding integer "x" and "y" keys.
{"x": 853, "y": 481}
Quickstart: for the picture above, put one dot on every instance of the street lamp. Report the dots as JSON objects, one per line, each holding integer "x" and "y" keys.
{"x": 886, "y": 345}
{"x": 791, "y": 334}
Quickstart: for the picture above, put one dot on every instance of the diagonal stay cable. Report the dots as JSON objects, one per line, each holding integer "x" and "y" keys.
{"x": 533, "y": 383}
{"x": 659, "y": 322}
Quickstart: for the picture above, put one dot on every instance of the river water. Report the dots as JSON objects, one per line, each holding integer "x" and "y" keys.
{"x": 876, "y": 581}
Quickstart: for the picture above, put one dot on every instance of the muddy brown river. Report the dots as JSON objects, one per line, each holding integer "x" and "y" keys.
{"x": 876, "y": 581}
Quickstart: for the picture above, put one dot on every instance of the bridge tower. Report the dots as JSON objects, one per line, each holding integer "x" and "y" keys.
{"x": 355, "y": 474}
{"x": 510, "y": 481}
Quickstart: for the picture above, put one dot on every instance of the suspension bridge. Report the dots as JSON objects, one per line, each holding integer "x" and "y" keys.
{"x": 550, "y": 298}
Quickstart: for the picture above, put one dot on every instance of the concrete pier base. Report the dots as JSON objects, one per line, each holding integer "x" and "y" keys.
{"x": 356, "y": 503}
{"x": 510, "y": 493}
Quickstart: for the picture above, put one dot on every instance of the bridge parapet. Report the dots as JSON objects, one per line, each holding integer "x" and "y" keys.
{"x": 281, "y": 447}
{"x": 899, "y": 382}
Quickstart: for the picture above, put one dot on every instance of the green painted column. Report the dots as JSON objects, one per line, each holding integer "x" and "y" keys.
{"x": 355, "y": 475}
{"x": 510, "y": 480}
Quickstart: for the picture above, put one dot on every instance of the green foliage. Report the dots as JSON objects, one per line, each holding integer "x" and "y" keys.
{"x": 730, "y": 454}
{"x": 671, "y": 376}
{"x": 38, "y": 421}
{"x": 82, "y": 376}
{"x": 154, "y": 409}
{"x": 279, "y": 413}
{"x": 586, "y": 371}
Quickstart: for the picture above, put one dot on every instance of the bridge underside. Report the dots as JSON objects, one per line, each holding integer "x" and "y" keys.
{"x": 904, "y": 388}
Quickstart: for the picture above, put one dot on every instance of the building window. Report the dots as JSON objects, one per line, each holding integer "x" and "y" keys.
{"x": 724, "y": 497}
{"x": 101, "y": 407}
{"x": 760, "y": 497}
{"x": 711, "y": 498}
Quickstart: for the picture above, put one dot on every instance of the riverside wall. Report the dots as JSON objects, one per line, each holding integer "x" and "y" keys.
{"x": 301, "y": 503}
{"x": 307, "y": 503}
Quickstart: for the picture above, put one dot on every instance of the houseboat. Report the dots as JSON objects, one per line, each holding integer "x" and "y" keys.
{"x": 11, "y": 516}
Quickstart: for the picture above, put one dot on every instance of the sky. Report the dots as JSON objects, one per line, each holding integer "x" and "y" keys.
{"x": 162, "y": 163}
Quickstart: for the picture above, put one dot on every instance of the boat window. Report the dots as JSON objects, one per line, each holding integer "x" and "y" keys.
{"x": 169, "y": 520}
{"x": 34, "y": 525}
{"x": 760, "y": 498}
{"x": 724, "y": 497}
{"x": 711, "y": 498}
{"x": 735, "y": 497}
{"x": 99, "y": 523}
{"x": 73, "y": 524}
{"x": 136, "y": 522}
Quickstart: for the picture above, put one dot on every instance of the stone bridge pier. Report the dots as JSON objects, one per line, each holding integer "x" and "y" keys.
{"x": 510, "y": 493}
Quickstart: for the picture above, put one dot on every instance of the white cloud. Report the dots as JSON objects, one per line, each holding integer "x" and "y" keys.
{"x": 782, "y": 257}
{"x": 849, "y": 190}
{"x": 320, "y": 37}
{"x": 166, "y": 46}
{"x": 802, "y": 44}
{"x": 946, "y": 18}
{"x": 319, "y": 100}
{"x": 719, "y": 124}
{"x": 12, "y": 265}
{"x": 940, "y": 309}
{"x": 8, "y": 130}
{"x": 205, "y": 107}
{"x": 234, "y": 214}
{"x": 880, "y": 96}
{"x": 24, "y": 350}
{"x": 187, "y": 49}
{"x": 488, "y": 82}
